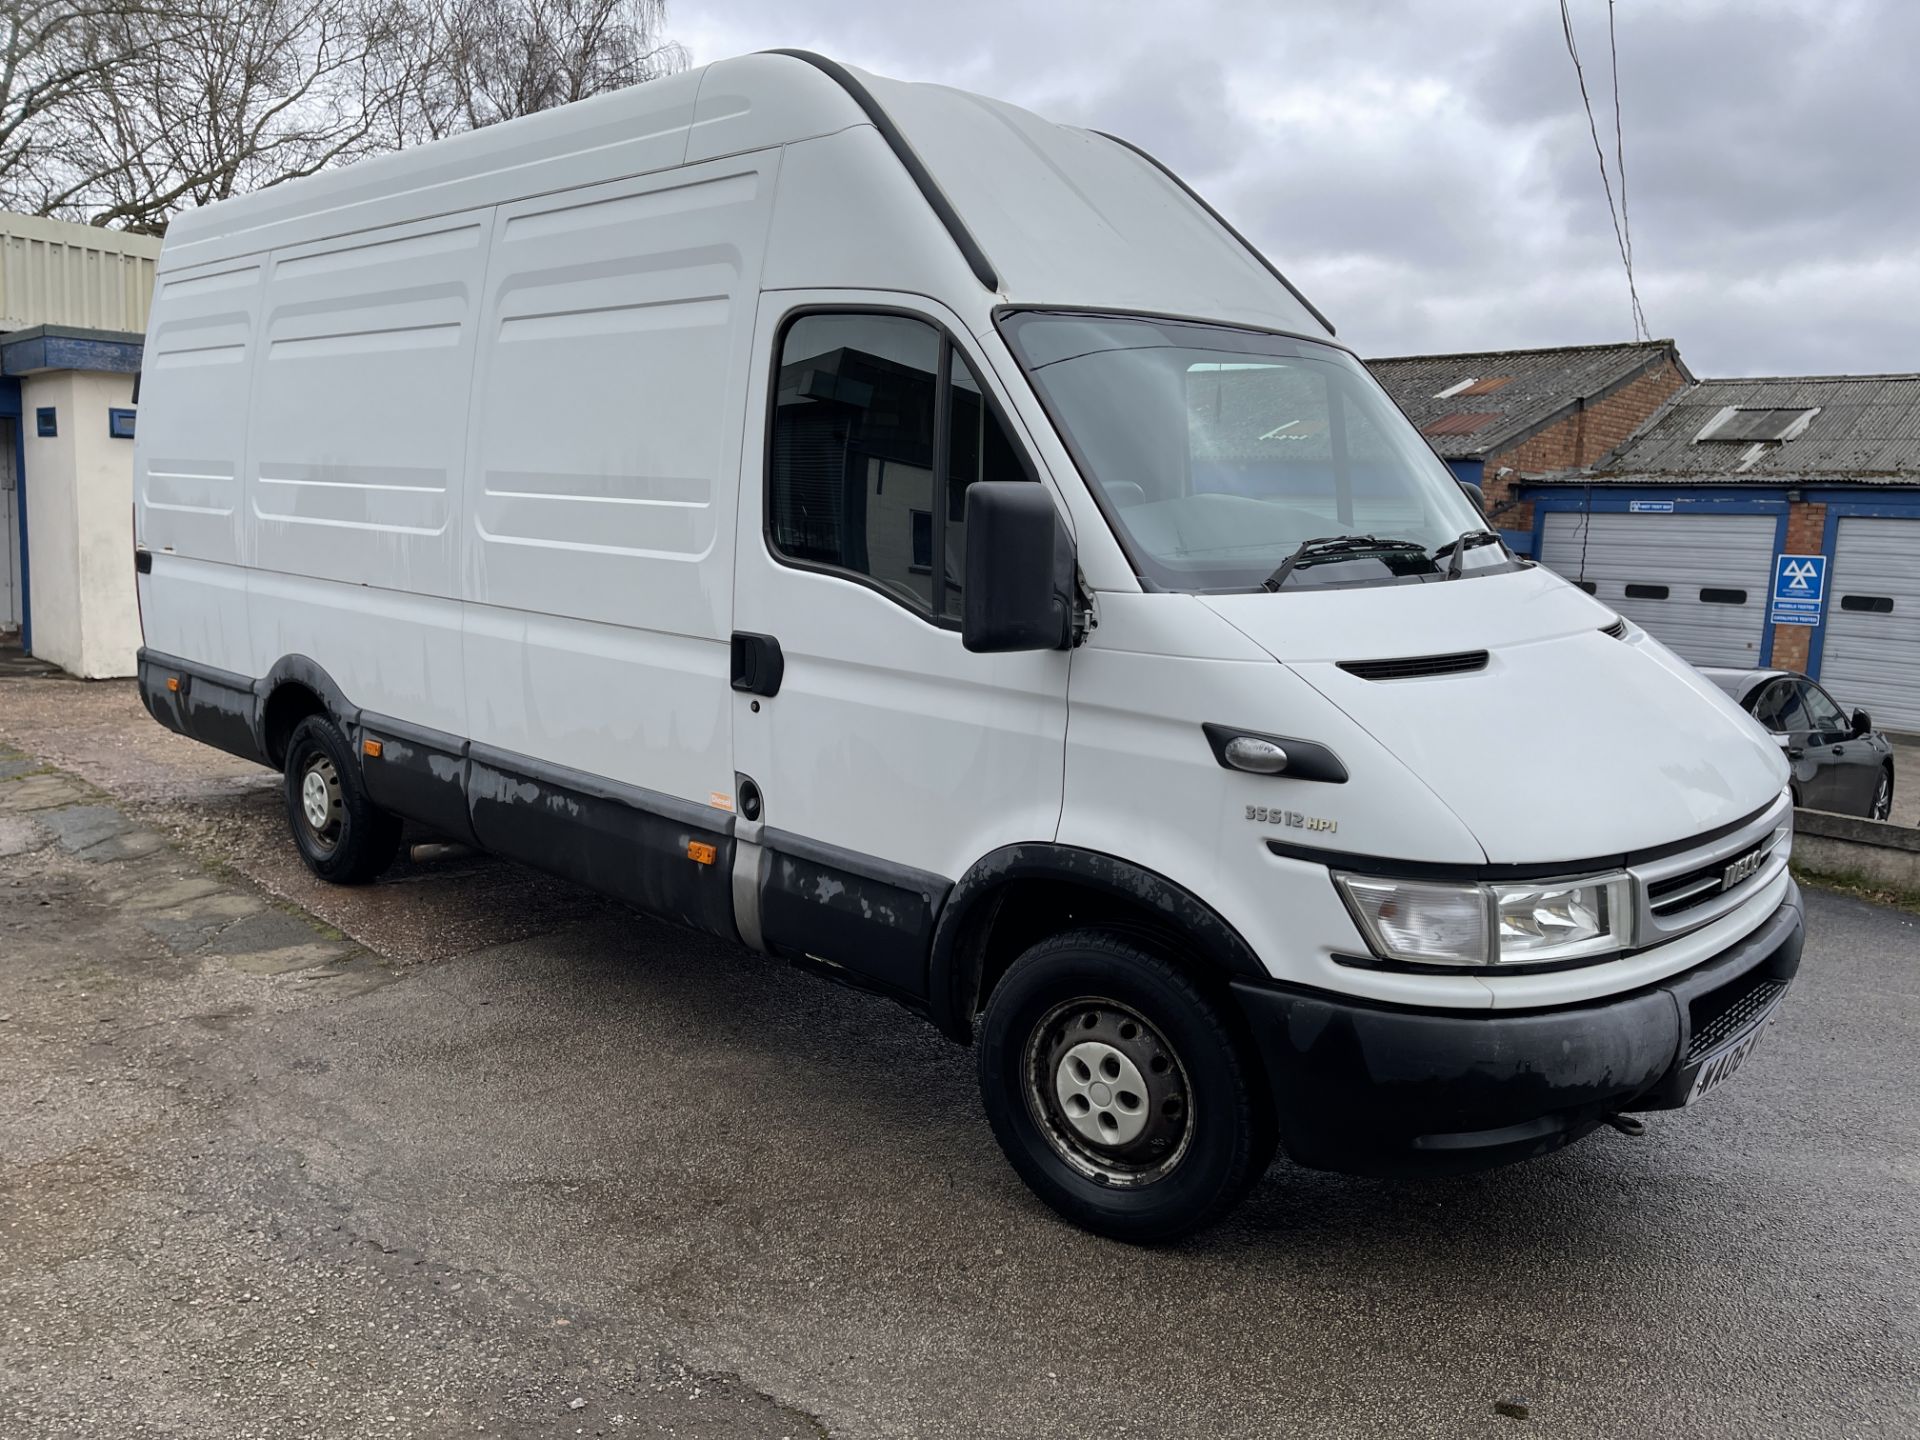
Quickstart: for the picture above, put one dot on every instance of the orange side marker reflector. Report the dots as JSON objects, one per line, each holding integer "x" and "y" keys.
{"x": 701, "y": 853}
{"x": 173, "y": 684}
{"x": 371, "y": 747}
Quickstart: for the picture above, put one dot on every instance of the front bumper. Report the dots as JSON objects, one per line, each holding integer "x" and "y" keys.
{"x": 1378, "y": 1090}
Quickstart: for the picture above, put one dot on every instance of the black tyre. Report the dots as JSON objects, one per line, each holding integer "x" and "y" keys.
{"x": 342, "y": 835}
{"x": 1883, "y": 795}
{"x": 1119, "y": 1089}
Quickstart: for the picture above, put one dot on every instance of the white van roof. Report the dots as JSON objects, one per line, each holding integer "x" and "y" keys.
{"x": 1039, "y": 213}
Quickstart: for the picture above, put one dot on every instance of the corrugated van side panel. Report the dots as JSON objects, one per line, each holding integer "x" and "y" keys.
{"x": 358, "y": 431}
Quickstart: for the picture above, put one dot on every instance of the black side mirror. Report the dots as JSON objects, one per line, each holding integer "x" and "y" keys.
{"x": 1862, "y": 723}
{"x": 1475, "y": 495}
{"x": 1020, "y": 568}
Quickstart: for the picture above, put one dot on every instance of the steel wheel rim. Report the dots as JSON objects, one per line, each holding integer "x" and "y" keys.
{"x": 1108, "y": 1092}
{"x": 322, "y": 810}
{"x": 1883, "y": 797}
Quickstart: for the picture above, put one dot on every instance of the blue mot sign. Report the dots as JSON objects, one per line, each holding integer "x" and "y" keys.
{"x": 1799, "y": 586}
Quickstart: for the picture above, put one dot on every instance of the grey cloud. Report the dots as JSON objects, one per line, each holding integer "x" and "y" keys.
{"x": 1425, "y": 173}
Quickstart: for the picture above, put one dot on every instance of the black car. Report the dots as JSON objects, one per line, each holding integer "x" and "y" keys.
{"x": 1839, "y": 763}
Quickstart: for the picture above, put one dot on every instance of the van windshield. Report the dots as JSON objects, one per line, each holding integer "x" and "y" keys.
{"x": 1218, "y": 454}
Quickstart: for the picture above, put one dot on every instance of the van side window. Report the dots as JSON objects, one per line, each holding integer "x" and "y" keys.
{"x": 856, "y": 461}
{"x": 851, "y": 482}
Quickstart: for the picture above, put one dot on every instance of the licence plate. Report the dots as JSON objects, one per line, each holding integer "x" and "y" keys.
{"x": 1719, "y": 1067}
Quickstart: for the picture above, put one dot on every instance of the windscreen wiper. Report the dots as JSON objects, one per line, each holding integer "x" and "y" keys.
{"x": 1332, "y": 547}
{"x": 1460, "y": 544}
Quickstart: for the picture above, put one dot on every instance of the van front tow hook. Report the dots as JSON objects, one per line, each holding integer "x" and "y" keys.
{"x": 1628, "y": 1124}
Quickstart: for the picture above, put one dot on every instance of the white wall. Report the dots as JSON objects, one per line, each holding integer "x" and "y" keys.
{"x": 80, "y": 525}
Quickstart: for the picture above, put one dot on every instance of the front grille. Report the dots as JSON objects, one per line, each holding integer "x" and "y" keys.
{"x": 1677, "y": 894}
{"x": 1415, "y": 666}
{"x": 1726, "y": 1019}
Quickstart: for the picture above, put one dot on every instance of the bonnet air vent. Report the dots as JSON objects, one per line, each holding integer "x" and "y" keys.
{"x": 1414, "y": 667}
{"x": 1618, "y": 629}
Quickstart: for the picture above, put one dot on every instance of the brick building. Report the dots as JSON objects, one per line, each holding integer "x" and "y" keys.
{"x": 1501, "y": 417}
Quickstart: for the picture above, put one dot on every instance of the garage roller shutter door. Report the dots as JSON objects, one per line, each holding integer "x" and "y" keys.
{"x": 1871, "y": 656}
{"x": 1727, "y": 559}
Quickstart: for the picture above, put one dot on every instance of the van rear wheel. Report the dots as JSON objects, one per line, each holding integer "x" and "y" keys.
{"x": 1118, "y": 1089}
{"x": 343, "y": 836}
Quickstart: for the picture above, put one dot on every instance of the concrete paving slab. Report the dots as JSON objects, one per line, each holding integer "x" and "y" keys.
{"x": 41, "y": 792}
{"x": 169, "y": 891}
{"x": 272, "y": 942}
{"x": 20, "y": 833}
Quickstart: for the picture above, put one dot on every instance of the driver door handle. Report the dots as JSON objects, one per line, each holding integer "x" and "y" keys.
{"x": 758, "y": 663}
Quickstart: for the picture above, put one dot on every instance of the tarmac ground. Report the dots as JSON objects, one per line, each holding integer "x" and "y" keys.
{"x": 470, "y": 1151}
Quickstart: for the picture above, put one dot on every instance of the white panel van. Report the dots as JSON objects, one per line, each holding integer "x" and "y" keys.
{"x": 930, "y": 545}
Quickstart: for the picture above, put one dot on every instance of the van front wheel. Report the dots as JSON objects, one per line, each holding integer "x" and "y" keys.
{"x": 1119, "y": 1091}
{"x": 343, "y": 836}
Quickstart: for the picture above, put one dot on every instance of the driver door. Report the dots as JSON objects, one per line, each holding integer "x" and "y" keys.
{"x": 1848, "y": 765}
{"x": 877, "y": 758}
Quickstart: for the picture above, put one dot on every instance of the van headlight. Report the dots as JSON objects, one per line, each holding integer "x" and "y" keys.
{"x": 1520, "y": 922}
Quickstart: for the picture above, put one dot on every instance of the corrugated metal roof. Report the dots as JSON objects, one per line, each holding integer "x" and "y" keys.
{"x": 54, "y": 272}
{"x": 1539, "y": 385}
{"x": 1867, "y": 429}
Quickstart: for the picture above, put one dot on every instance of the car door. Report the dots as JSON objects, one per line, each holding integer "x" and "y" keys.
{"x": 877, "y": 757}
{"x": 1848, "y": 762}
{"x": 1779, "y": 706}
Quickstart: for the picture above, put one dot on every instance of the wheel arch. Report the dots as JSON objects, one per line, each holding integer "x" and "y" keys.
{"x": 1018, "y": 894}
{"x": 294, "y": 688}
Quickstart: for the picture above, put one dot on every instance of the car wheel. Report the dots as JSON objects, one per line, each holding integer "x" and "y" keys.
{"x": 1883, "y": 796}
{"x": 1119, "y": 1089}
{"x": 343, "y": 836}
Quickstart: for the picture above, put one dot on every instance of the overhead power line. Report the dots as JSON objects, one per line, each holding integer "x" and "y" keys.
{"x": 1620, "y": 165}
{"x": 1614, "y": 211}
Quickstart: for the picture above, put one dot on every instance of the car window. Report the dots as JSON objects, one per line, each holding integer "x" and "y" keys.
{"x": 855, "y": 463}
{"x": 1780, "y": 708}
{"x": 1822, "y": 714}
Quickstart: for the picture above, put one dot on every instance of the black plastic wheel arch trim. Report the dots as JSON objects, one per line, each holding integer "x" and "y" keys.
{"x": 1306, "y": 759}
{"x": 953, "y": 979}
{"x": 930, "y": 190}
{"x": 1224, "y": 224}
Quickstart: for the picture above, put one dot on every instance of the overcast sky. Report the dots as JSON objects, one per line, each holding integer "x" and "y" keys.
{"x": 1422, "y": 169}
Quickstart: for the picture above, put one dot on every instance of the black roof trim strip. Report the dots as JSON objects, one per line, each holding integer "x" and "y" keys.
{"x": 1224, "y": 224}
{"x": 976, "y": 258}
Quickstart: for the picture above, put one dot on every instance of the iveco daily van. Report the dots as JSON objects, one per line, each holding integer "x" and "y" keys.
{"x": 929, "y": 544}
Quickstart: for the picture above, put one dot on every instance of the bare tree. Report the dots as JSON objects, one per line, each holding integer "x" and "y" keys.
{"x": 53, "y": 57}
{"x": 167, "y": 104}
{"x": 477, "y": 62}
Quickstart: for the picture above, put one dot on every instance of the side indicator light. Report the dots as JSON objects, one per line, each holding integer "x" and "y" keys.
{"x": 173, "y": 684}
{"x": 701, "y": 853}
{"x": 371, "y": 747}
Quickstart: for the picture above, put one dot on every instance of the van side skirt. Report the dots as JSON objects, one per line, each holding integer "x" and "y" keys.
{"x": 857, "y": 917}
{"x": 215, "y": 707}
{"x": 850, "y": 912}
